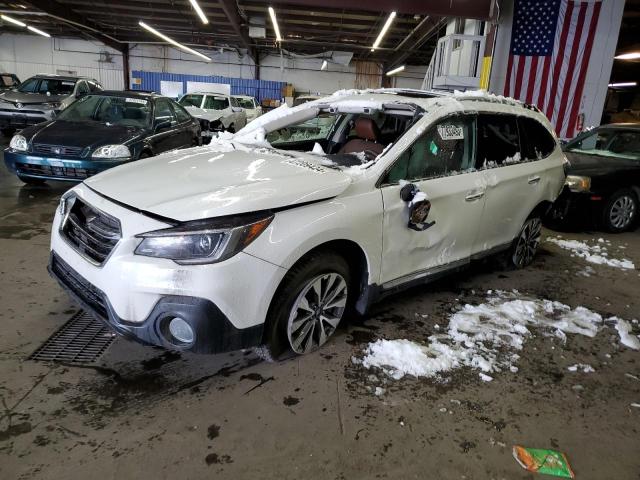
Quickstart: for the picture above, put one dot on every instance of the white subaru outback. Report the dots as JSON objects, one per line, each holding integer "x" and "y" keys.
{"x": 271, "y": 236}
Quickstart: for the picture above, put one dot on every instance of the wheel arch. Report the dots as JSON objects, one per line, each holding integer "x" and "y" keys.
{"x": 541, "y": 209}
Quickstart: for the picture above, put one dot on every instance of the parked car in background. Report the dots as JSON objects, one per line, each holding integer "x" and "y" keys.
{"x": 219, "y": 112}
{"x": 97, "y": 132}
{"x": 244, "y": 243}
{"x": 250, "y": 105}
{"x": 41, "y": 98}
{"x": 603, "y": 182}
{"x": 304, "y": 99}
{"x": 8, "y": 81}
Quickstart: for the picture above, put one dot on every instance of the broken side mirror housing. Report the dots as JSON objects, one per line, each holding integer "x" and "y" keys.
{"x": 408, "y": 191}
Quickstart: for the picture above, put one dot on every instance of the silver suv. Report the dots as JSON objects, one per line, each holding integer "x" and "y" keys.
{"x": 40, "y": 98}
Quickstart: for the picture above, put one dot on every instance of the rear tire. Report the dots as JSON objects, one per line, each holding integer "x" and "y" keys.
{"x": 31, "y": 180}
{"x": 524, "y": 247}
{"x": 620, "y": 211}
{"x": 308, "y": 306}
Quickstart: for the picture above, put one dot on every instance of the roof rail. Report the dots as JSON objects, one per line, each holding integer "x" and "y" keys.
{"x": 482, "y": 96}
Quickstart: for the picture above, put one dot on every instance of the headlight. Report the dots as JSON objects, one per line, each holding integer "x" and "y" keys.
{"x": 204, "y": 241}
{"x": 19, "y": 143}
{"x": 112, "y": 151}
{"x": 53, "y": 105}
{"x": 578, "y": 184}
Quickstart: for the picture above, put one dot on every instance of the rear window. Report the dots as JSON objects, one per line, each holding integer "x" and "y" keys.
{"x": 535, "y": 140}
{"x": 497, "y": 140}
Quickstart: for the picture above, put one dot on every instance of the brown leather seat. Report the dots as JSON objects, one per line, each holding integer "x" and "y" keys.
{"x": 368, "y": 134}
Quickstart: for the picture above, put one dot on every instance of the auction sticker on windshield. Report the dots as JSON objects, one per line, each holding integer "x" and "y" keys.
{"x": 450, "y": 132}
{"x": 137, "y": 100}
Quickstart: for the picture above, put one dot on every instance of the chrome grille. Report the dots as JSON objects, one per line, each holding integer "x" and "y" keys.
{"x": 50, "y": 171}
{"x": 92, "y": 233}
{"x": 58, "y": 150}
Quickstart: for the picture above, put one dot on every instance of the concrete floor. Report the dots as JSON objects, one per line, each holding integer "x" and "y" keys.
{"x": 144, "y": 413}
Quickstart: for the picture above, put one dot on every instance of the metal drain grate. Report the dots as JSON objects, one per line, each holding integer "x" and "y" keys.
{"x": 83, "y": 339}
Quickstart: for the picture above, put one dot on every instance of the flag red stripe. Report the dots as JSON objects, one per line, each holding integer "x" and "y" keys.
{"x": 556, "y": 68}
{"x": 519, "y": 73}
{"x": 576, "y": 47}
{"x": 544, "y": 79}
{"x": 507, "y": 84}
{"x": 533, "y": 74}
{"x": 573, "y": 116}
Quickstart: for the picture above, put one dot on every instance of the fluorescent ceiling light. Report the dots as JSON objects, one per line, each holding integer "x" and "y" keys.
{"x": 272, "y": 14}
{"x": 39, "y": 32}
{"x": 199, "y": 11}
{"x": 395, "y": 70}
{"x": 325, "y": 65}
{"x": 172, "y": 41}
{"x": 386, "y": 26}
{"x": 623, "y": 84}
{"x": 628, "y": 56}
{"x": 13, "y": 20}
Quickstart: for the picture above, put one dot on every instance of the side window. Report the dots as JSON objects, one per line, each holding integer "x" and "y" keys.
{"x": 82, "y": 87}
{"x": 536, "y": 141}
{"x": 163, "y": 111}
{"x": 181, "y": 113}
{"x": 497, "y": 140}
{"x": 446, "y": 148}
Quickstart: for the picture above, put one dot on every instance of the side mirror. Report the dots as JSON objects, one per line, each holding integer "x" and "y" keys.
{"x": 236, "y": 109}
{"x": 419, "y": 207}
{"x": 162, "y": 125}
{"x": 80, "y": 94}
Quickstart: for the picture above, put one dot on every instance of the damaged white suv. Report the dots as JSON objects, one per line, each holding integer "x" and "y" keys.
{"x": 271, "y": 236}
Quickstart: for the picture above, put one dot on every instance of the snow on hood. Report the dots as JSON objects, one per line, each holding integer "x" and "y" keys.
{"x": 223, "y": 178}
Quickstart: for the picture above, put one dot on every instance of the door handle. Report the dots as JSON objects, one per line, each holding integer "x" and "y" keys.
{"x": 533, "y": 180}
{"x": 471, "y": 196}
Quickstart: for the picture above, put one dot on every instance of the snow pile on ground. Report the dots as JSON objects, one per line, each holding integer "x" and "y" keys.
{"x": 624, "y": 331}
{"x": 597, "y": 254}
{"x": 581, "y": 366}
{"x": 486, "y": 336}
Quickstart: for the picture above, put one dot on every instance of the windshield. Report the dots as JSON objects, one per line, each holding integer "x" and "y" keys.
{"x": 134, "y": 112}
{"x": 342, "y": 139}
{"x": 246, "y": 103}
{"x": 53, "y": 86}
{"x": 216, "y": 103}
{"x": 191, "y": 101}
{"x": 608, "y": 143}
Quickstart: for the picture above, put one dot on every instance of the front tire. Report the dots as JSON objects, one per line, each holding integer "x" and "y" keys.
{"x": 308, "y": 306}
{"x": 620, "y": 211}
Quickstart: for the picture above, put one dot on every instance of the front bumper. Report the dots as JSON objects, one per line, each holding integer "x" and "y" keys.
{"x": 224, "y": 303}
{"x": 213, "y": 332}
{"x": 577, "y": 208}
{"x": 51, "y": 168}
{"x": 21, "y": 118}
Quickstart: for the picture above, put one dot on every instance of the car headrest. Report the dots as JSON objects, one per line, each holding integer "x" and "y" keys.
{"x": 367, "y": 129}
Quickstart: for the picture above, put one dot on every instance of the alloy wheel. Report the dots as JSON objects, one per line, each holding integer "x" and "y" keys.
{"x": 316, "y": 312}
{"x": 528, "y": 242}
{"x": 622, "y": 212}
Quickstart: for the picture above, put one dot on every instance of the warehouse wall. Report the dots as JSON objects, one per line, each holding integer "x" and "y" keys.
{"x": 27, "y": 55}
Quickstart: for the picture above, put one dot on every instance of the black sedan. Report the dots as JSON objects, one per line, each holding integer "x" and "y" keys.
{"x": 100, "y": 131}
{"x": 603, "y": 181}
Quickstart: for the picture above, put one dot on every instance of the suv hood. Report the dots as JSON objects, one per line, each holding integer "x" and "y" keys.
{"x": 94, "y": 134}
{"x": 224, "y": 179}
{"x": 207, "y": 115}
{"x": 27, "y": 98}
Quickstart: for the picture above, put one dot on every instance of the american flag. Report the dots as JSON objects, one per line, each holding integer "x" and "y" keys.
{"x": 551, "y": 42}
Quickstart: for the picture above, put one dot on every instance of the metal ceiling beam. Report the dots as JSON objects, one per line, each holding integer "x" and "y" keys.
{"x": 477, "y": 9}
{"x": 230, "y": 8}
{"x": 418, "y": 37}
{"x": 66, "y": 15}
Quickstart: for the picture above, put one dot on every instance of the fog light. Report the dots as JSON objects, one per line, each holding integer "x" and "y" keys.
{"x": 181, "y": 330}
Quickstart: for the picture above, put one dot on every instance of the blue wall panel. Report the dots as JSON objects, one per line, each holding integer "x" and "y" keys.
{"x": 261, "y": 89}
